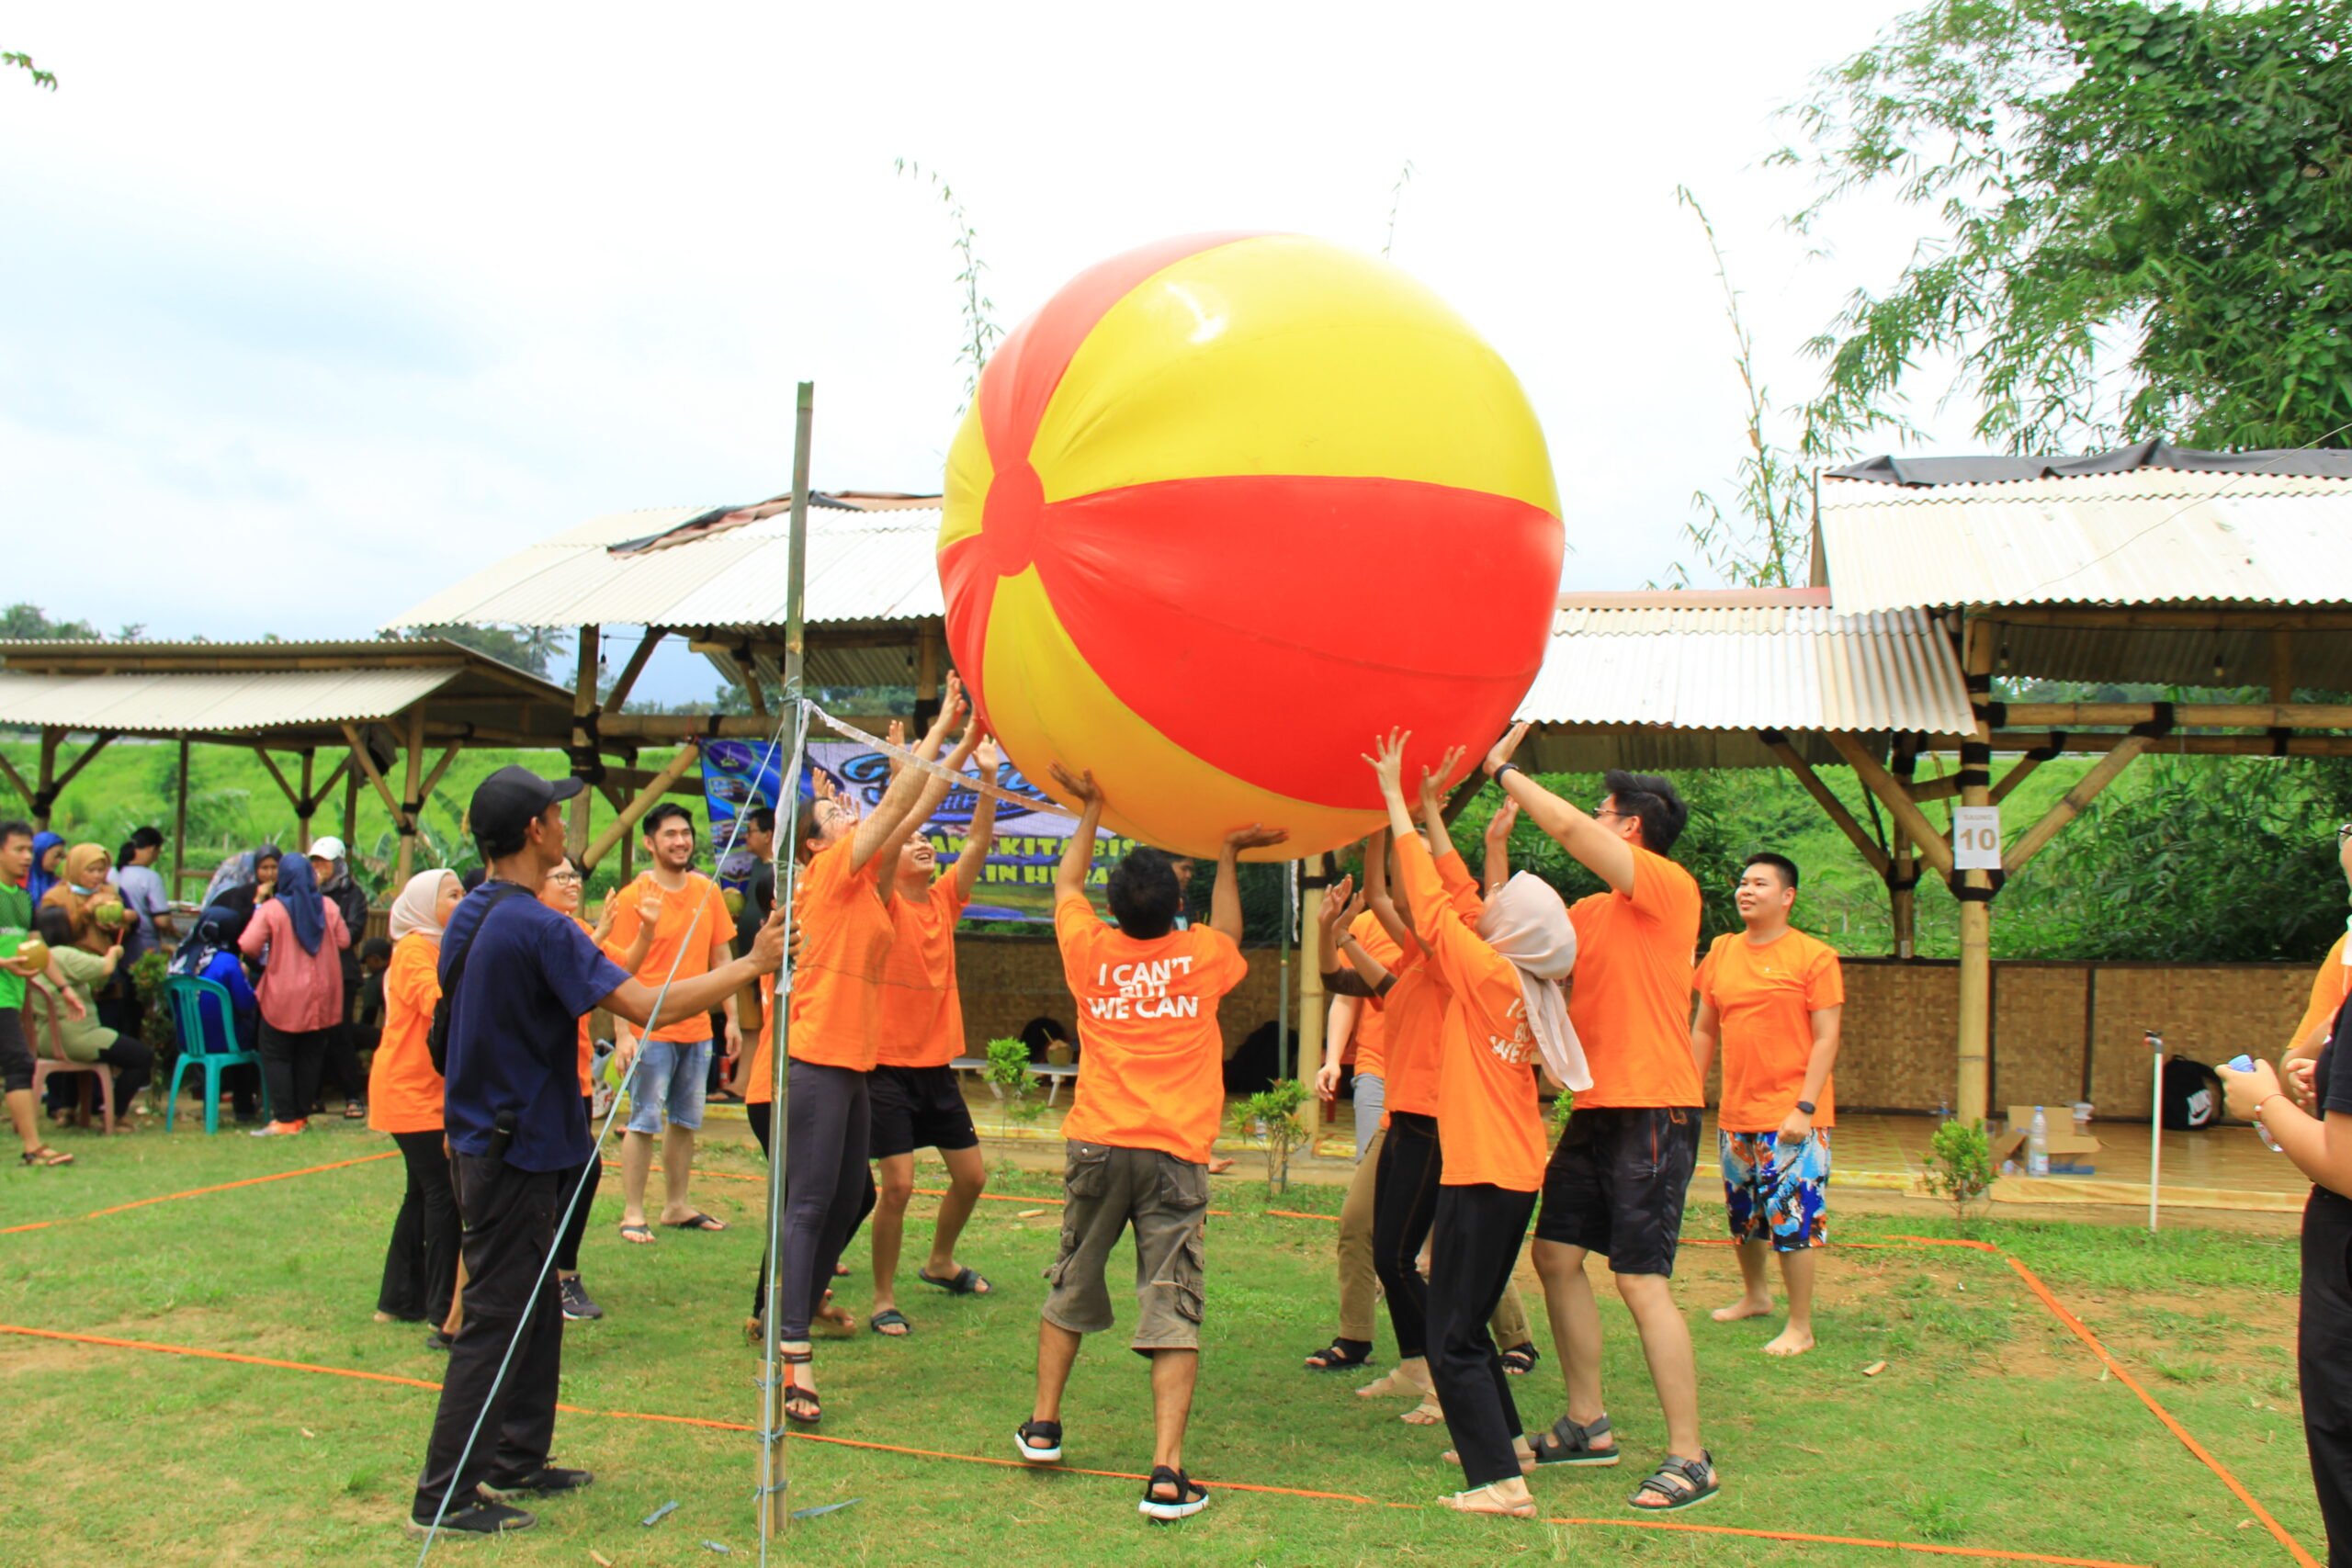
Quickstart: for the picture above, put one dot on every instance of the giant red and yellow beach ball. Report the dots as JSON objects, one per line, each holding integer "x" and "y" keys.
{"x": 1225, "y": 508}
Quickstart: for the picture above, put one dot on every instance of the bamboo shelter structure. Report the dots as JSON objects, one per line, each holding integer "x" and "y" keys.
{"x": 325, "y": 719}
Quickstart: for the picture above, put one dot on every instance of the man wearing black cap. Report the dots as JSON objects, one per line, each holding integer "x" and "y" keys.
{"x": 519, "y": 977}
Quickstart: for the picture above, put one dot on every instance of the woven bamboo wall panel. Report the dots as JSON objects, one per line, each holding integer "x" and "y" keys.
{"x": 2038, "y": 1034}
{"x": 2208, "y": 1013}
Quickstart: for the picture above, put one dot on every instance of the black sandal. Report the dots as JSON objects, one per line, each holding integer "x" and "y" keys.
{"x": 1339, "y": 1355}
{"x": 45, "y": 1157}
{"x": 1040, "y": 1442}
{"x": 793, "y": 1392}
{"x": 1190, "y": 1499}
{"x": 1520, "y": 1359}
{"x": 1567, "y": 1443}
{"x": 1699, "y": 1482}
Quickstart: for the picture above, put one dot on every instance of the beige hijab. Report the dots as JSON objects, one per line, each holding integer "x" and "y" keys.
{"x": 412, "y": 913}
{"x": 1527, "y": 923}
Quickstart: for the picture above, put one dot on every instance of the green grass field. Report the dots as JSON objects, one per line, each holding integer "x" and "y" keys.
{"x": 1990, "y": 1425}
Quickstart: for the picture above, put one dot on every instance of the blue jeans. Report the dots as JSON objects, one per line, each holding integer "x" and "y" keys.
{"x": 669, "y": 1079}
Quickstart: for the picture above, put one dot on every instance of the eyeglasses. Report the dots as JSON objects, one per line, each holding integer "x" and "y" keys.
{"x": 2343, "y": 831}
{"x": 563, "y": 877}
{"x": 1605, "y": 809}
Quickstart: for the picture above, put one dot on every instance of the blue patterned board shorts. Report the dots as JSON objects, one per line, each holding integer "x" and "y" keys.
{"x": 1777, "y": 1193}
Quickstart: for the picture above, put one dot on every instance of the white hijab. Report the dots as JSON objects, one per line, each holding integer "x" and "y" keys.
{"x": 413, "y": 911}
{"x": 1526, "y": 923}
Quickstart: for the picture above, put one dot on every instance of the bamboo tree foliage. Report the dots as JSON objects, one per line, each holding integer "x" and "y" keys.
{"x": 2146, "y": 216}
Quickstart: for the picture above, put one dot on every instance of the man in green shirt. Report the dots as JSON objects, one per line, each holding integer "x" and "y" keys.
{"x": 15, "y": 1056}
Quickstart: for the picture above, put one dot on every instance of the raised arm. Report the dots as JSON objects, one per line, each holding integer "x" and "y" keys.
{"x": 980, "y": 837}
{"x": 1432, "y": 795}
{"x": 1225, "y": 900}
{"x": 633, "y": 999}
{"x": 1594, "y": 847}
{"x": 1498, "y": 867}
{"x": 1376, "y": 895}
{"x": 883, "y": 828}
{"x": 1078, "y": 855}
{"x": 1343, "y": 1029}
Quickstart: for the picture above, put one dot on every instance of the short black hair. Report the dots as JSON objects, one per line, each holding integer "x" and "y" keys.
{"x": 498, "y": 846}
{"x": 375, "y": 947}
{"x": 1781, "y": 863}
{"x": 662, "y": 813}
{"x": 15, "y": 828}
{"x": 1145, "y": 897}
{"x": 148, "y": 838}
{"x": 1654, "y": 802}
{"x": 761, "y": 817}
{"x": 56, "y": 926}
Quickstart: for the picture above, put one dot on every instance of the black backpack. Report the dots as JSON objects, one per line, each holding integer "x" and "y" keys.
{"x": 2192, "y": 1095}
{"x": 437, "y": 1037}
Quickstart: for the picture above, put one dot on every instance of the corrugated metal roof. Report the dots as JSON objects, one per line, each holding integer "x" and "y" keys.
{"x": 864, "y": 565}
{"x": 222, "y": 703}
{"x": 2148, "y": 537}
{"x": 1728, "y": 662}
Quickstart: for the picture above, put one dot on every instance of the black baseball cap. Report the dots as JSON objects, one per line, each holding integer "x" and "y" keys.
{"x": 508, "y": 801}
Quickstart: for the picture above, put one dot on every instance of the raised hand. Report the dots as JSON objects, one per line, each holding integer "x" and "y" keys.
{"x": 1257, "y": 836}
{"x": 989, "y": 756}
{"x": 1433, "y": 783}
{"x": 1082, "y": 785}
{"x": 1503, "y": 750}
{"x": 1504, "y": 819}
{"x": 1387, "y": 760}
{"x": 1340, "y": 904}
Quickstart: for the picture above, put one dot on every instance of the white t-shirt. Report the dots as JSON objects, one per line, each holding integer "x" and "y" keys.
{"x": 141, "y": 887}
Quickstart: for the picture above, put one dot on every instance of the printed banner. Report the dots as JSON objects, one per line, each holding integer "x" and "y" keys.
{"x": 1016, "y": 884}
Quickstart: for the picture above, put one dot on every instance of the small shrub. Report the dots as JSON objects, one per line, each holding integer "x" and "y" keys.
{"x": 1960, "y": 1167}
{"x": 1272, "y": 1117}
{"x": 1009, "y": 1070}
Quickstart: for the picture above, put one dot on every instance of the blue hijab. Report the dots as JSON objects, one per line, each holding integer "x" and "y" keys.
{"x": 40, "y": 880}
{"x": 298, "y": 890}
{"x": 215, "y": 930}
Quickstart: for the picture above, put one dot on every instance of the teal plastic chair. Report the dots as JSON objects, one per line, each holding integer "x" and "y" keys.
{"x": 199, "y": 1047}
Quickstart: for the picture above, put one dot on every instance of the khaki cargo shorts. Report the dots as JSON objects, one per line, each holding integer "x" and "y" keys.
{"x": 1167, "y": 1200}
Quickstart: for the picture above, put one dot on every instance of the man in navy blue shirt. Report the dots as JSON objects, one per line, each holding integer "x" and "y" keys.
{"x": 516, "y": 1128}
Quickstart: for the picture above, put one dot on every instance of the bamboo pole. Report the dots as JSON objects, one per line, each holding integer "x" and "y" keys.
{"x": 2282, "y": 667}
{"x": 17, "y": 781}
{"x": 179, "y": 821}
{"x": 2185, "y": 716}
{"x": 1310, "y": 996}
{"x": 584, "y": 707}
{"x": 307, "y": 805}
{"x": 2070, "y": 805}
{"x": 45, "y": 797}
{"x": 2190, "y": 745}
{"x": 404, "y": 824}
{"x": 625, "y": 728}
{"x": 1902, "y": 865}
{"x": 1934, "y": 848}
{"x": 638, "y": 804}
{"x": 350, "y": 798}
{"x": 1803, "y": 772}
{"x": 775, "y": 1511}
{"x": 97, "y": 743}
{"x": 1976, "y": 1044}
{"x": 633, "y": 669}
{"x": 360, "y": 754}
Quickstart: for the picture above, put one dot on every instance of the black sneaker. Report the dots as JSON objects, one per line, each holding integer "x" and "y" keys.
{"x": 436, "y": 1340}
{"x": 546, "y": 1481}
{"x": 577, "y": 1306}
{"x": 476, "y": 1515}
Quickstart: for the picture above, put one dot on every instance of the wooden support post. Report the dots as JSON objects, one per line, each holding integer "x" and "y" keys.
{"x": 1902, "y": 865}
{"x": 350, "y": 773}
{"x": 98, "y": 744}
{"x": 2071, "y": 804}
{"x": 1802, "y": 770}
{"x": 179, "y": 821}
{"x": 927, "y": 674}
{"x": 307, "y": 805}
{"x": 584, "y": 707}
{"x": 17, "y": 782}
{"x": 1975, "y": 892}
{"x": 404, "y": 824}
{"x": 44, "y": 799}
{"x": 633, "y": 669}
{"x": 2017, "y": 774}
{"x": 639, "y": 804}
{"x": 366, "y": 761}
{"x": 2282, "y": 667}
{"x": 1310, "y": 993}
{"x": 2184, "y": 715}
{"x": 1934, "y": 848}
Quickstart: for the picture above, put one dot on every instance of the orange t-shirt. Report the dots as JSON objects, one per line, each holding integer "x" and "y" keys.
{"x": 1370, "y": 1040}
{"x": 835, "y": 1014}
{"x": 587, "y": 1043}
{"x": 1764, "y": 998}
{"x": 759, "y": 1087}
{"x": 2329, "y": 988}
{"x": 670, "y": 928}
{"x": 1151, "y": 1059}
{"x": 922, "y": 1017}
{"x": 404, "y": 1091}
{"x": 1631, "y": 1001}
{"x": 1488, "y": 1119}
{"x": 1417, "y": 1006}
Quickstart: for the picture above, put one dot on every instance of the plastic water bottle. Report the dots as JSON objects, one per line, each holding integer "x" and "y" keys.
{"x": 2242, "y": 1063}
{"x": 2037, "y": 1144}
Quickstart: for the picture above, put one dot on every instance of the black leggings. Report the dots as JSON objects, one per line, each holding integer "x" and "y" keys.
{"x": 827, "y": 1187}
{"x": 2324, "y": 1361}
{"x": 421, "y": 1265}
{"x": 133, "y": 1062}
{"x": 290, "y": 1060}
{"x": 1404, "y": 1205}
{"x": 339, "y": 1065}
{"x": 1479, "y": 1230}
{"x": 567, "y": 1244}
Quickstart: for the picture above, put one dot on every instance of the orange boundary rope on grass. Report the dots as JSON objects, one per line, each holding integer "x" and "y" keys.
{"x": 201, "y": 1191}
{"x": 1991, "y": 1554}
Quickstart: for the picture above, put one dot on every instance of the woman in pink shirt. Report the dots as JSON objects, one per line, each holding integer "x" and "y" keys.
{"x": 301, "y": 990}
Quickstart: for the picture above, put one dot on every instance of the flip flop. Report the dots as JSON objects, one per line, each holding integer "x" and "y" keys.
{"x": 695, "y": 1223}
{"x": 966, "y": 1282}
{"x": 638, "y": 1235}
{"x": 888, "y": 1318}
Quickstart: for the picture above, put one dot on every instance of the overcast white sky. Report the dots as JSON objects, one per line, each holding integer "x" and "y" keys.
{"x": 312, "y": 310}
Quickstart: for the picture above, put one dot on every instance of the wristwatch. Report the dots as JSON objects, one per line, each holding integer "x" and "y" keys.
{"x": 1805, "y": 1106}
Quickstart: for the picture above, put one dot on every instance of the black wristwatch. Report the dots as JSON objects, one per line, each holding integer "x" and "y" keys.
{"x": 1805, "y": 1106}
{"x": 1501, "y": 769}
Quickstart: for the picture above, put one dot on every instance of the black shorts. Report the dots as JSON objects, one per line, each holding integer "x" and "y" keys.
{"x": 1617, "y": 1183}
{"x": 918, "y": 1107}
{"x": 15, "y": 1056}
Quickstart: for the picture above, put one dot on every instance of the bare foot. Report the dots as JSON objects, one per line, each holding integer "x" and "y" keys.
{"x": 836, "y": 1317}
{"x": 1428, "y": 1413}
{"x": 1790, "y": 1342}
{"x": 1504, "y": 1499}
{"x": 1526, "y": 1459}
{"x": 1746, "y": 1306}
{"x": 1219, "y": 1164}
